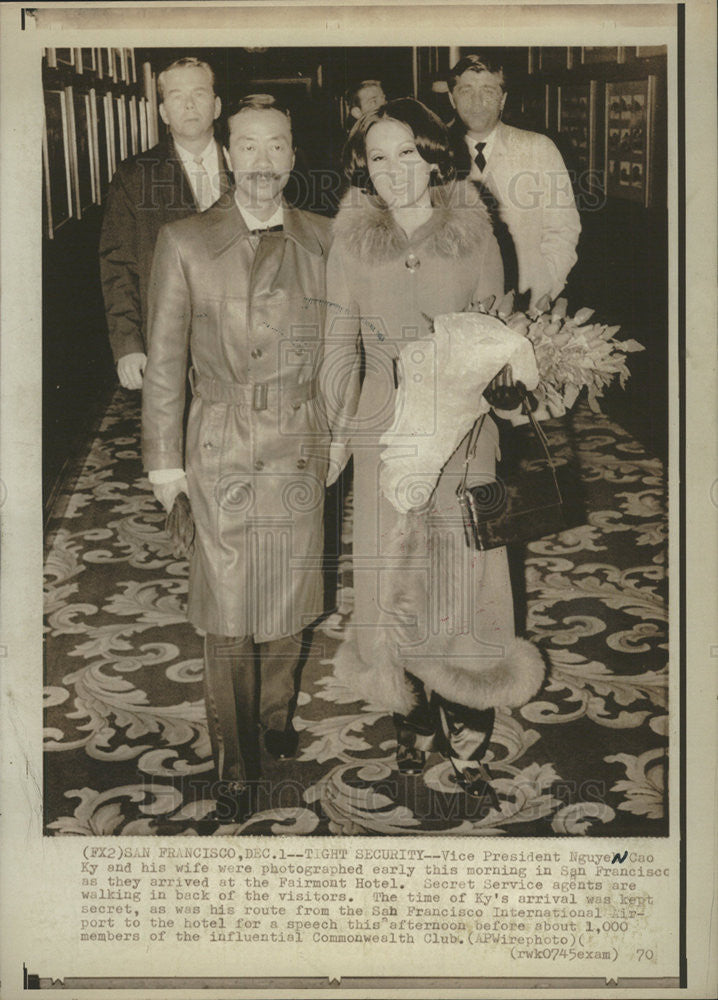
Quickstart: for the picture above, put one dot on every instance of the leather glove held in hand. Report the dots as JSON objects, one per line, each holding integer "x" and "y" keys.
{"x": 180, "y": 526}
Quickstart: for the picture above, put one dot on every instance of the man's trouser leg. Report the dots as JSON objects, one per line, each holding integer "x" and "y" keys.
{"x": 282, "y": 661}
{"x": 231, "y": 686}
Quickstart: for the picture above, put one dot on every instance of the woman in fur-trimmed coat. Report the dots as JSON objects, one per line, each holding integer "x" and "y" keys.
{"x": 432, "y": 635}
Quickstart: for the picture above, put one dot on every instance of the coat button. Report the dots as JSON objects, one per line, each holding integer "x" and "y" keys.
{"x": 295, "y": 406}
{"x": 257, "y": 352}
{"x": 301, "y": 463}
{"x": 208, "y": 444}
{"x": 259, "y": 465}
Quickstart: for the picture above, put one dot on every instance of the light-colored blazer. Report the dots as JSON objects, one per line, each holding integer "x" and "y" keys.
{"x": 527, "y": 176}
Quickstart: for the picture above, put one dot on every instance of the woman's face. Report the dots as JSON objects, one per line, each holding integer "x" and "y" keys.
{"x": 398, "y": 171}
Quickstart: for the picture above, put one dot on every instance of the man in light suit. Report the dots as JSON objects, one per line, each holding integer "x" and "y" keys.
{"x": 183, "y": 174}
{"x": 242, "y": 286}
{"x": 523, "y": 176}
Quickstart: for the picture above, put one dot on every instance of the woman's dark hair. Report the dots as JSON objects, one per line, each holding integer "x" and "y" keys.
{"x": 432, "y": 140}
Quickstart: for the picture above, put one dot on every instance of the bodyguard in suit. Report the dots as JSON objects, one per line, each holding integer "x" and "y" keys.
{"x": 523, "y": 177}
{"x": 242, "y": 286}
{"x": 183, "y": 174}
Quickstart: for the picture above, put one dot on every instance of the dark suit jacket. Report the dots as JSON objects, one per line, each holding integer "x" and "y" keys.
{"x": 147, "y": 191}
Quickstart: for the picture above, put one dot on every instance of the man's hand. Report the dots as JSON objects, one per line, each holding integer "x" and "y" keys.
{"x": 130, "y": 369}
{"x": 339, "y": 453}
{"x": 165, "y": 493}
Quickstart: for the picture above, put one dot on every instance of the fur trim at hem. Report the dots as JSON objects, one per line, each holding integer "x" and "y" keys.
{"x": 509, "y": 682}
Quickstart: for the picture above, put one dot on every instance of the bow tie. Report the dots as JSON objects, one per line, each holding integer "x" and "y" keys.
{"x": 266, "y": 229}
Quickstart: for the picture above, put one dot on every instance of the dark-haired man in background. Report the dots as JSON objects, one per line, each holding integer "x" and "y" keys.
{"x": 523, "y": 176}
{"x": 184, "y": 173}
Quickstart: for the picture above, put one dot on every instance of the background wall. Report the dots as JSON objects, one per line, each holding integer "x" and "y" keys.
{"x": 604, "y": 107}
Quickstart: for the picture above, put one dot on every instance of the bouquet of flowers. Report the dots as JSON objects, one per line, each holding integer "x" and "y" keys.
{"x": 571, "y": 354}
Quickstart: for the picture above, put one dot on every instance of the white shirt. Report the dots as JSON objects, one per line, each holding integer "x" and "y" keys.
{"x": 252, "y": 222}
{"x": 203, "y": 176}
{"x": 477, "y": 174}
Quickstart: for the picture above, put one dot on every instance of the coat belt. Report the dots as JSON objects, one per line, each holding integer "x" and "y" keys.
{"x": 258, "y": 395}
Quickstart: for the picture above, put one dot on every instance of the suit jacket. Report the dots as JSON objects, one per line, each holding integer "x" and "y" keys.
{"x": 251, "y": 311}
{"x": 527, "y": 180}
{"x": 147, "y": 191}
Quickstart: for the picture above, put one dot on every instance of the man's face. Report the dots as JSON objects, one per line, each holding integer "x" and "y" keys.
{"x": 189, "y": 105}
{"x": 479, "y": 101}
{"x": 260, "y": 148}
{"x": 370, "y": 98}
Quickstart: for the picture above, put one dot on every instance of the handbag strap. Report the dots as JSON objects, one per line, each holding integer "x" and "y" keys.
{"x": 470, "y": 451}
{"x": 543, "y": 441}
{"x": 538, "y": 431}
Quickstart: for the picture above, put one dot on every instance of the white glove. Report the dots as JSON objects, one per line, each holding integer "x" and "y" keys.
{"x": 165, "y": 493}
{"x": 130, "y": 369}
{"x": 339, "y": 453}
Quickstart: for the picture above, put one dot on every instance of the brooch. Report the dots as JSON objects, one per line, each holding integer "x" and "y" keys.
{"x": 412, "y": 262}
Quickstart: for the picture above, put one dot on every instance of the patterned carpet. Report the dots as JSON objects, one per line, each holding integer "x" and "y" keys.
{"x": 126, "y": 735}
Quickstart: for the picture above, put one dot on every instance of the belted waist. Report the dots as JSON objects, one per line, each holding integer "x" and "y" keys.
{"x": 258, "y": 395}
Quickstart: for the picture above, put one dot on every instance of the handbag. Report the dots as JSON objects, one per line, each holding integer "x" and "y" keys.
{"x": 535, "y": 493}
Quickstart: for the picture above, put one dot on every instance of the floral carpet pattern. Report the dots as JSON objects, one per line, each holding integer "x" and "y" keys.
{"x": 127, "y": 748}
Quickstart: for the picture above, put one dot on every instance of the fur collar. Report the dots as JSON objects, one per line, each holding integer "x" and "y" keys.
{"x": 459, "y": 226}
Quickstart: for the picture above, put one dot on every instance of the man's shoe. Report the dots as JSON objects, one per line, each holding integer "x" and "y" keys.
{"x": 475, "y": 781}
{"x": 281, "y": 743}
{"x": 235, "y": 805}
{"x": 410, "y": 760}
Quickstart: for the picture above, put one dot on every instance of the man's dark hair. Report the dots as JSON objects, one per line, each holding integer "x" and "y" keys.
{"x": 476, "y": 63}
{"x": 186, "y": 62}
{"x": 432, "y": 140}
{"x": 258, "y": 102}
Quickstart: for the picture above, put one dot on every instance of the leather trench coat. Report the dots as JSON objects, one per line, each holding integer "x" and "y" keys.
{"x": 250, "y": 310}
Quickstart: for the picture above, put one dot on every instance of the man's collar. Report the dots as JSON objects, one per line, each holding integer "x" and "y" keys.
{"x": 227, "y": 226}
{"x": 488, "y": 140}
{"x": 252, "y": 222}
{"x": 187, "y": 157}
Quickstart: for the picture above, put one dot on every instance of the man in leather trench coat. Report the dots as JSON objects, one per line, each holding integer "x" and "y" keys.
{"x": 242, "y": 287}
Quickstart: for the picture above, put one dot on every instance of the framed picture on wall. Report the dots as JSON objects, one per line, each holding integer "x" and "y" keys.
{"x": 535, "y": 107}
{"x": 576, "y": 120}
{"x": 629, "y": 140}
{"x": 553, "y": 57}
{"x": 107, "y": 64}
{"x": 82, "y": 152}
{"x": 65, "y": 57}
{"x": 599, "y": 54}
{"x": 119, "y": 64}
{"x": 131, "y": 67}
{"x": 110, "y": 134}
{"x": 87, "y": 60}
{"x": 134, "y": 133}
{"x": 99, "y": 130}
{"x": 121, "y": 130}
{"x": 142, "y": 108}
{"x": 57, "y": 159}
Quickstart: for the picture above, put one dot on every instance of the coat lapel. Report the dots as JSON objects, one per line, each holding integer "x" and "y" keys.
{"x": 227, "y": 226}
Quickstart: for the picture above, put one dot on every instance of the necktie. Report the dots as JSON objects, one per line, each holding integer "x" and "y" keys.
{"x": 203, "y": 185}
{"x": 480, "y": 159}
{"x": 266, "y": 229}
